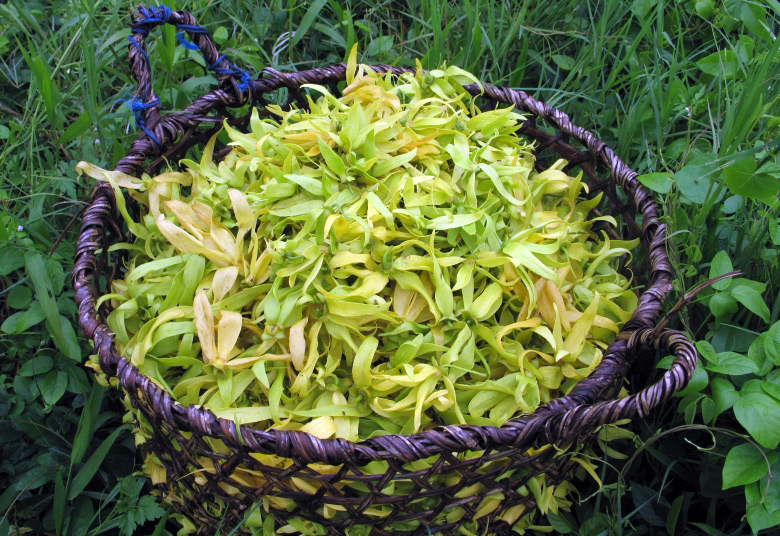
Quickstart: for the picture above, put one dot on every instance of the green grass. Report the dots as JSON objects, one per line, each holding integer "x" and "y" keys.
{"x": 686, "y": 93}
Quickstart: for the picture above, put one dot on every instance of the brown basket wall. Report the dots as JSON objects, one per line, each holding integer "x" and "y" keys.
{"x": 183, "y": 436}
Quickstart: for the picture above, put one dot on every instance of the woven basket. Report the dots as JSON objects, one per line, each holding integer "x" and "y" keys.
{"x": 184, "y": 437}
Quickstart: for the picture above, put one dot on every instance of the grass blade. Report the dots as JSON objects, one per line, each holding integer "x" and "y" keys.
{"x": 59, "y": 503}
{"x": 159, "y": 529}
{"x": 89, "y": 415}
{"x": 43, "y": 292}
{"x": 78, "y": 127}
{"x": 91, "y": 466}
{"x": 307, "y": 21}
{"x": 47, "y": 90}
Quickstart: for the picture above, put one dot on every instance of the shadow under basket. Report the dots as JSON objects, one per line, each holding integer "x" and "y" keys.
{"x": 217, "y": 473}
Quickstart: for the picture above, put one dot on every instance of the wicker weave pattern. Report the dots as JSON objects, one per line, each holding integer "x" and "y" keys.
{"x": 189, "y": 440}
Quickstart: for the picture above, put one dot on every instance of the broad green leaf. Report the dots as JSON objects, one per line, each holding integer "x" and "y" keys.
{"x": 379, "y": 45}
{"x": 754, "y": 18}
{"x": 758, "y": 515}
{"x": 19, "y": 297}
{"x": 559, "y": 523}
{"x": 674, "y": 514}
{"x": 38, "y": 364}
{"x": 220, "y": 35}
{"x": 744, "y": 464}
{"x": 771, "y": 488}
{"x": 771, "y": 343}
{"x": 757, "y": 353}
{"x": 772, "y": 384}
{"x": 694, "y": 180}
{"x": 81, "y": 516}
{"x": 742, "y": 179}
{"x": 722, "y": 304}
{"x": 564, "y": 62}
{"x": 760, "y": 415}
{"x": 724, "y": 394}
{"x": 708, "y": 408}
{"x": 751, "y": 299}
{"x": 658, "y": 182}
{"x": 72, "y": 347}
{"x": 646, "y": 502}
{"x": 733, "y": 364}
{"x": 721, "y": 264}
{"x": 641, "y": 8}
{"x": 53, "y": 386}
{"x": 12, "y": 259}
{"x": 699, "y": 381}
{"x": 722, "y": 63}
{"x": 21, "y": 321}
{"x": 47, "y": 89}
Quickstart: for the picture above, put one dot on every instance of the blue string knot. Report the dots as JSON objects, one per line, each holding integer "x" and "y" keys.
{"x": 155, "y": 16}
{"x": 138, "y": 107}
{"x": 161, "y": 15}
{"x": 245, "y": 82}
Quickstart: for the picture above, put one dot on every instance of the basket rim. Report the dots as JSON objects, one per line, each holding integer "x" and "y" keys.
{"x": 560, "y": 421}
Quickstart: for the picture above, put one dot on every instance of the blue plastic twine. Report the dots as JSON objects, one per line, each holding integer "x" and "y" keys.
{"x": 138, "y": 108}
{"x": 182, "y": 39}
{"x": 245, "y": 79}
{"x": 158, "y": 16}
{"x": 161, "y": 15}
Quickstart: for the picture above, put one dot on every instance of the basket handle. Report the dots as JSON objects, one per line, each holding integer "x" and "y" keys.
{"x": 145, "y": 104}
{"x": 585, "y": 418}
